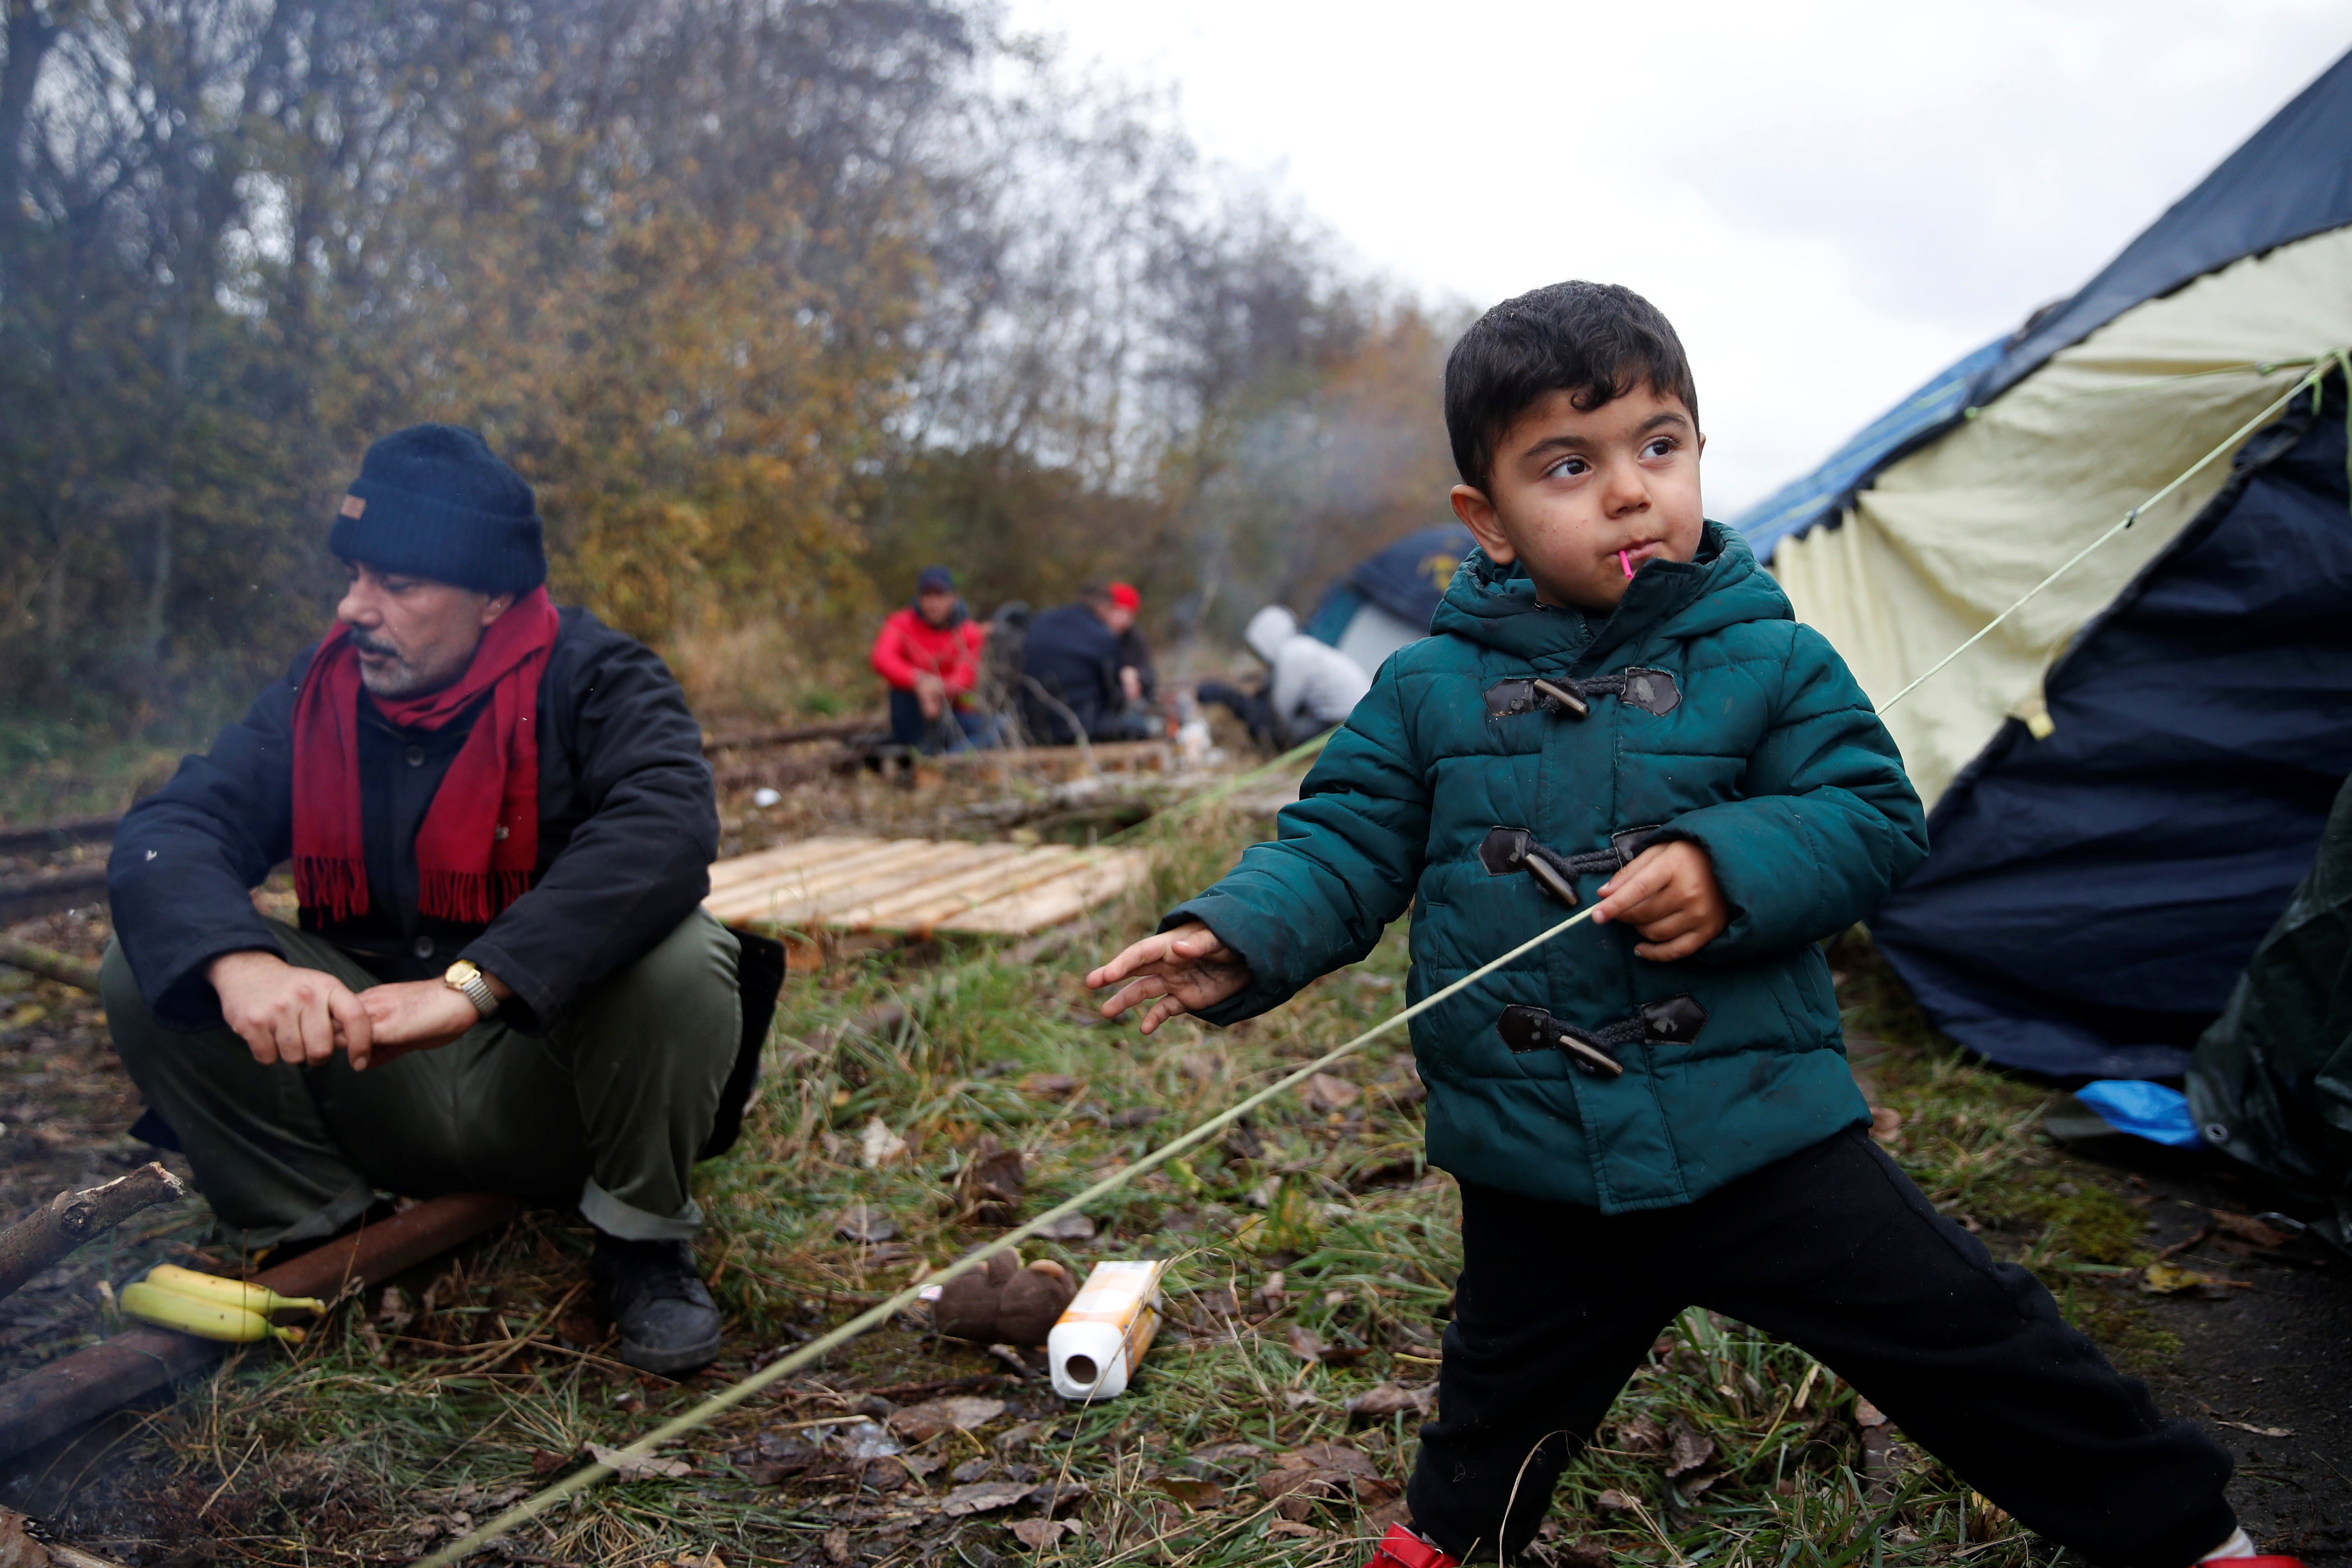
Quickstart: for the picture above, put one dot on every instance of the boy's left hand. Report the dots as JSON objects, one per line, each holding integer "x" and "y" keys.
{"x": 1668, "y": 893}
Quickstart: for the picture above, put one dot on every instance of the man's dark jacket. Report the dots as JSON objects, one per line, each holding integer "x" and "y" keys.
{"x": 1073, "y": 655}
{"x": 627, "y": 829}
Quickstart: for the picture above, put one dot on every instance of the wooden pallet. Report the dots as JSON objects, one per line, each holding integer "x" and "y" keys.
{"x": 915, "y": 887}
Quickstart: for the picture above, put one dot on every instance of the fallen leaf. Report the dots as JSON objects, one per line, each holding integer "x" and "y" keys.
{"x": 2249, "y": 1229}
{"x": 1326, "y": 1094}
{"x": 861, "y": 1221}
{"x": 837, "y": 1545}
{"x": 1292, "y": 1528}
{"x": 1192, "y": 1491}
{"x": 1037, "y": 1534}
{"x": 18, "y": 1550}
{"x": 1305, "y": 1343}
{"x": 1865, "y": 1413}
{"x": 1070, "y": 1228}
{"x": 877, "y": 1145}
{"x": 1697, "y": 1484}
{"x": 1581, "y": 1553}
{"x": 1220, "y": 1453}
{"x": 921, "y": 1423}
{"x": 1396, "y": 1512}
{"x": 925, "y": 1464}
{"x": 1337, "y": 1457}
{"x": 1047, "y": 1085}
{"x": 992, "y": 1183}
{"x": 1384, "y": 1399}
{"x": 1690, "y": 1450}
{"x": 2257, "y": 1431}
{"x": 1642, "y": 1435}
{"x": 1056, "y": 1496}
{"x": 2170, "y": 1280}
{"x": 1135, "y": 1116}
{"x": 1885, "y": 1123}
{"x": 1614, "y": 1501}
{"x": 543, "y": 1463}
{"x": 639, "y": 1468}
{"x": 984, "y": 1497}
{"x": 885, "y": 1475}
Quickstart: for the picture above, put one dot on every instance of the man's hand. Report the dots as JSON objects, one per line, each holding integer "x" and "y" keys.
{"x": 1669, "y": 895}
{"x": 1187, "y": 969}
{"x": 931, "y": 693}
{"x": 286, "y": 1014}
{"x": 1130, "y": 681}
{"x": 417, "y": 1016}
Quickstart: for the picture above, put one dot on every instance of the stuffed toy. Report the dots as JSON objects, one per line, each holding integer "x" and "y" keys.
{"x": 1002, "y": 1303}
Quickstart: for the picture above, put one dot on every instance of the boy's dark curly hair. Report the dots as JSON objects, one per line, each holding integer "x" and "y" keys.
{"x": 1593, "y": 341}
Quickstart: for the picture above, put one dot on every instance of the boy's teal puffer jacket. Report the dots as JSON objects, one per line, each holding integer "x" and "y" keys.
{"x": 1739, "y": 728}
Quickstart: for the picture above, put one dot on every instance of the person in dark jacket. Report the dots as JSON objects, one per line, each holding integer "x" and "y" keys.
{"x": 501, "y": 827}
{"x": 1070, "y": 664}
{"x": 1654, "y": 1111}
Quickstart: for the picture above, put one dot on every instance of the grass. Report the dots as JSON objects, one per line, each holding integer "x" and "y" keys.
{"x": 404, "y": 1421}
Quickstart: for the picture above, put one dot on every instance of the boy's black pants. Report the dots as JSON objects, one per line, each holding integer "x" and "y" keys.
{"x": 1835, "y": 1250}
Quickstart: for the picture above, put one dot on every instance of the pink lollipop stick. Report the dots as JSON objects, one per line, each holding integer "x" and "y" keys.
{"x": 1627, "y": 564}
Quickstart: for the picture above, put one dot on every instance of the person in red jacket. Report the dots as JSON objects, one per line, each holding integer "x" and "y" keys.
{"x": 929, "y": 653}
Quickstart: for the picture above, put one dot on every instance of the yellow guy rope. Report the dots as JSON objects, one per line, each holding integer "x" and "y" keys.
{"x": 726, "y": 1399}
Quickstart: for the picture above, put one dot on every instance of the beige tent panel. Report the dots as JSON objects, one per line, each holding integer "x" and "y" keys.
{"x": 1949, "y": 536}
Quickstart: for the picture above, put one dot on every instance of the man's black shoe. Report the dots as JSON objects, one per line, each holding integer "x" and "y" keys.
{"x": 655, "y": 1295}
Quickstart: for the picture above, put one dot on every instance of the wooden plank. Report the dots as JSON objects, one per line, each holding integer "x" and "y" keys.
{"x": 1039, "y": 866}
{"x": 1112, "y": 873}
{"x": 744, "y": 868}
{"x": 806, "y": 887}
{"x": 916, "y": 907}
{"x": 941, "y": 860}
{"x": 850, "y": 863}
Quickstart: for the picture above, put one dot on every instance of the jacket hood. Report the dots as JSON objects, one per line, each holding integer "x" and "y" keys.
{"x": 1268, "y": 630}
{"x": 1495, "y": 605}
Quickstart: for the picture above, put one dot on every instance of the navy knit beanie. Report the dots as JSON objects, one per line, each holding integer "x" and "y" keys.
{"x": 434, "y": 500}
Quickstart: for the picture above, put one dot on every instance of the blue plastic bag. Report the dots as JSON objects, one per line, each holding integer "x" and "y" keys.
{"x": 2144, "y": 1109}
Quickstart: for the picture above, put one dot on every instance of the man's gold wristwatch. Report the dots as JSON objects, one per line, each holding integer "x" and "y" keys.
{"x": 465, "y": 977}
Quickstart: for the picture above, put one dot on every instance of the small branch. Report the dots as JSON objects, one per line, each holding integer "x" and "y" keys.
{"x": 68, "y": 1220}
{"x": 49, "y": 964}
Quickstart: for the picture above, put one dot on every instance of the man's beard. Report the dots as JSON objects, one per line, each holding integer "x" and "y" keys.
{"x": 396, "y": 679}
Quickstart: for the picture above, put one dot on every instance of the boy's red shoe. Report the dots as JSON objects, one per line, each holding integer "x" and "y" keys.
{"x": 1400, "y": 1548}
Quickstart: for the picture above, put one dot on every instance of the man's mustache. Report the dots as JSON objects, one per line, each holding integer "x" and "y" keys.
{"x": 367, "y": 642}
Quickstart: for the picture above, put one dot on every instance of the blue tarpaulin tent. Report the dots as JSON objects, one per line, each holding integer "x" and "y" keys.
{"x": 2128, "y": 779}
{"x": 1386, "y": 600}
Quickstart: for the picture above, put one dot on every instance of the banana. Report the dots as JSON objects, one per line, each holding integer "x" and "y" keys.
{"x": 194, "y": 1315}
{"x": 228, "y": 1292}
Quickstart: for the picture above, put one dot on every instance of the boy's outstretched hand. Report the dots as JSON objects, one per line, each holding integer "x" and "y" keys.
{"x": 1668, "y": 893}
{"x": 1187, "y": 969}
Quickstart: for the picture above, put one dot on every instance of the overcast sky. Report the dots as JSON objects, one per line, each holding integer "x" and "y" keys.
{"x": 1832, "y": 201}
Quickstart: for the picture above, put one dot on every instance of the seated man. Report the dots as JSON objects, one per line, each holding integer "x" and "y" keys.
{"x": 501, "y": 826}
{"x": 929, "y": 653}
{"x": 1310, "y": 686}
{"x": 1070, "y": 665}
{"x": 1136, "y": 679}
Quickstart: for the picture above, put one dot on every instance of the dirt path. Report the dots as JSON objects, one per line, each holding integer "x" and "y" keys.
{"x": 2276, "y": 1357}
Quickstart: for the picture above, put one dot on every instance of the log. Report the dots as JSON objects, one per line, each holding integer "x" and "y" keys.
{"x": 99, "y": 829}
{"x": 74, "y": 1390}
{"x": 46, "y": 892}
{"x": 793, "y": 734}
{"x": 50, "y": 965}
{"x": 68, "y": 1220}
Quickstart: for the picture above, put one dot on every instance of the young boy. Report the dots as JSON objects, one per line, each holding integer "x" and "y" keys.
{"x": 1616, "y": 702}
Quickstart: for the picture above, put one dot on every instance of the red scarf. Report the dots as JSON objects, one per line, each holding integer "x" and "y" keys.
{"x": 479, "y": 844}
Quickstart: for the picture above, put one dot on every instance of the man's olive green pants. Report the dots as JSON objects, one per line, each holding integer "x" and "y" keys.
{"x": 610, "y": 1106}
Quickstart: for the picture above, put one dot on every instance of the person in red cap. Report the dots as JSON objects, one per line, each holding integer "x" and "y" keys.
{"x": 1075, "y": 671}
{"x": 1137, "y": 680}
{"x": 929, "y": 653}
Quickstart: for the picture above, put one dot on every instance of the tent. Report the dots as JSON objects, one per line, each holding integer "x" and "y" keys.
{"x": 2128, "y": 778}
{"x": 1386, "y": 600}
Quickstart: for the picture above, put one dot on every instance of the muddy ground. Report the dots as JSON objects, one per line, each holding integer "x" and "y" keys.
{"x": 2263, "y": 1364}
